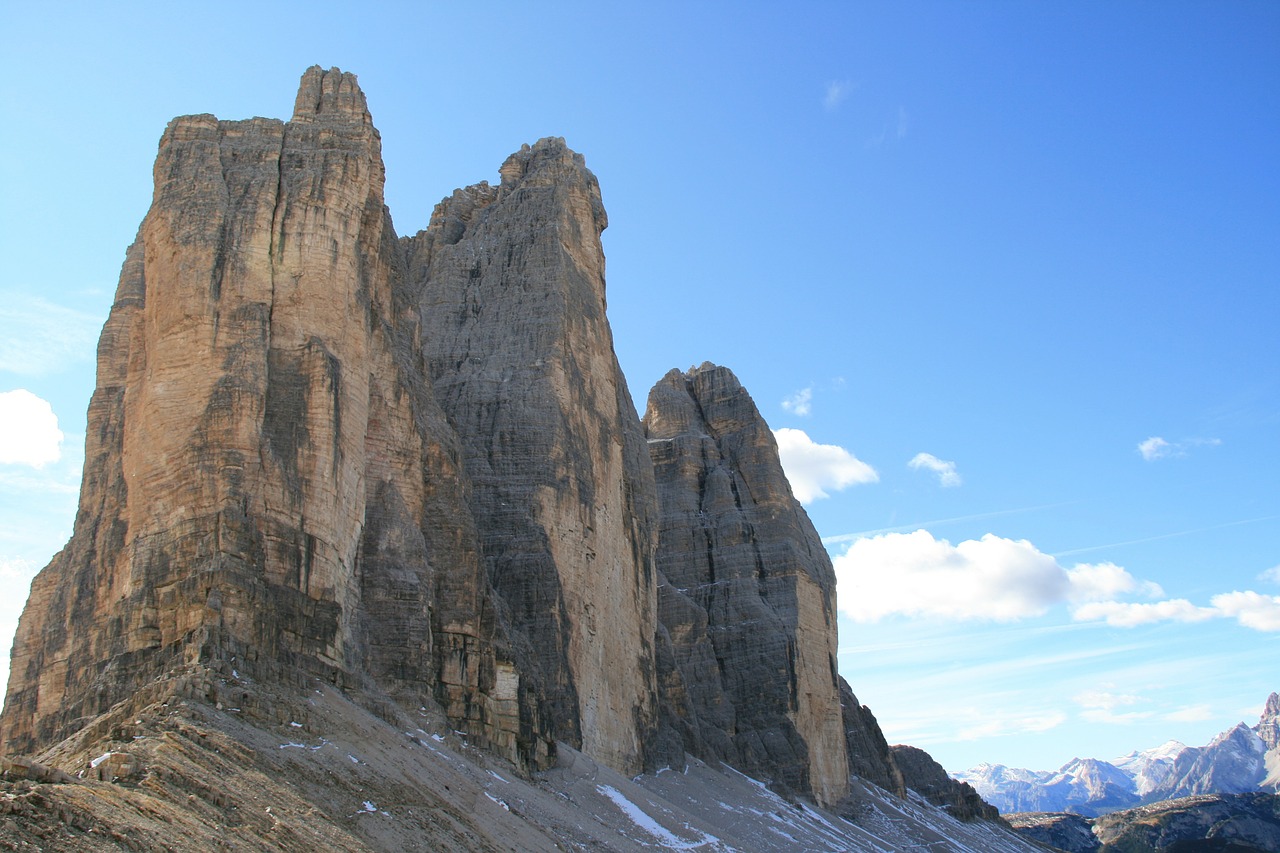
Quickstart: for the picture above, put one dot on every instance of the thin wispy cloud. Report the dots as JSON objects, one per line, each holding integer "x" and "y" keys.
{"x": 1156, "y": 448}
{"x": 948, "y": 477}
{"x": 1173, "y": 535}
{"x": 1271, "y": 575}
{"x": 799, "y": 403}
{"x": 1128, "y": 614}
{"x": 902, "y": 123}
{"x": 837, "y": 92}
{"x": 38, "y": 337}
{"x": 1015, "y": 725}
{"x": 1190, "y": 714}
{"x": 938, "y": 522}
{"x": 813, "y": 469}
{"x": 1100, "y": 706}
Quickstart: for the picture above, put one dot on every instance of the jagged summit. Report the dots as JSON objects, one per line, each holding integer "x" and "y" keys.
{"x": 331, "y": 94}
{"x": 322, "y": 459}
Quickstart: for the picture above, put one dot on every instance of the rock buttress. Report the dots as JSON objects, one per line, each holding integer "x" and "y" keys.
{"x": 263, "y": 458}
{"x": 747, "y": 592}
{"x": 511, "y": 287}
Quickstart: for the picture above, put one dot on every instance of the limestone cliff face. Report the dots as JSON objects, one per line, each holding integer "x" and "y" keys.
{"x": 747, "y": 595}
{"x": 412, "y": 468}
{"x": 511, "y": 288}
{"x": 261, "y": 461}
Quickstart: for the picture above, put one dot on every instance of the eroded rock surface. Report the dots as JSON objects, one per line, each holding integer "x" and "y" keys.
{"x": 927, "y": 778}
{"x": 510, "y": 283}
{"x": 321, "y": 456}
{"x": 747, "y": 594}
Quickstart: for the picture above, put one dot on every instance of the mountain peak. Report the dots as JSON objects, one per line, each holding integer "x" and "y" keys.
{"x": 1268, "y": 727}
{"x": 330, "y": 94}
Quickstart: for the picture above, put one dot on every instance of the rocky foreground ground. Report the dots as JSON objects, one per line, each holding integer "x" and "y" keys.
{"x": 227, "y": 764}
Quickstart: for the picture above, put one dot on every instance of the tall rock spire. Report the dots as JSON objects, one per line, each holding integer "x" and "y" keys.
{"x": 257, "y": 425}
{"x": 511, "y": 284}
{"x": 747, "y": 595}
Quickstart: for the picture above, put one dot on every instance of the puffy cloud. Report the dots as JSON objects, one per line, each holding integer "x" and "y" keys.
{"x": 1102, "y": 581}
{"x": 1123, "y": 614}
{"x": 813, "y": 468}
{"x": 1272, "y": 574}
{"x": 946, "y": 471}
{"x": 992, "y": 578}
{"x": 914, "y": 574}
{"x": 1155, "y": 447}
{"x": 799, "y": 403}
{"x": 29, "y": 433}
{"x": 1250, "y": 609}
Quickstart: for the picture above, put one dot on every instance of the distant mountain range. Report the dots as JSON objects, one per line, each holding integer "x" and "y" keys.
{"x": 1240, "y": 760}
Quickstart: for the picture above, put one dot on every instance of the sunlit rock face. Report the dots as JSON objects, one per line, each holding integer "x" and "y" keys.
{"x": 411, "y": 468}
{"x": 268, "y": 481}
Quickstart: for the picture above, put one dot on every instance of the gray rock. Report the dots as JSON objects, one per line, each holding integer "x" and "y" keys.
{"x": 510, "y": 287}
{"x": 747, "y": 592}
{"x": 927, "y": 777}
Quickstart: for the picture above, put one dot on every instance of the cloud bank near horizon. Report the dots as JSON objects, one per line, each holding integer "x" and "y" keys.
{"x": 916, "y": 575}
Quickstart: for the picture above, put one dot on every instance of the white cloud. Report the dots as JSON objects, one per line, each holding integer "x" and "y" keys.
{"x": 1250, "y": 609}
{"x": 813, "y": 468}
{"x": 38, "y": 337}
{"x": 799, "y": 403}
{"x": 1104, "y": 581}
{"x": 1104, "y": 699}
{"x": 29, "y": 433}
{"x": 1272, "y": 574}
{"x": 946, "y": 471}
{"x": 914, "y": 574}
{"x": 1155, "y": 447}
{"x": 1100, "y": 707}
{"x": 837, "y": 91}
{"x": 1031, "y": 724}
{"x": 1004, "y": 580}
{"x": 1191, "y": 714}
{"x": 1122, "y": 614}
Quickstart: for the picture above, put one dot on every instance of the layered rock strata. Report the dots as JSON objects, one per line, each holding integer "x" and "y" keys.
{"x": 268, "y": 481}
{"x": 510, "y": 283}
{"x": 747, "y": 592}
{"x": 412, "y": 468}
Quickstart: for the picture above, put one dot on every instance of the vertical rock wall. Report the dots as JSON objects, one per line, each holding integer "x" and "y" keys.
{"x": 256, "y": 481}
{"x": 413, "y": 467}
{"x": 747, "y": 595}
{"x": 511, "y": 283}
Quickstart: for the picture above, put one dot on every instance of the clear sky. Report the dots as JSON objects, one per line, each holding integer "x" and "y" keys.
{"x": 1006, "y": 272}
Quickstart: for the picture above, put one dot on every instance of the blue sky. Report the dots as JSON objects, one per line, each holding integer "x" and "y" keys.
{"x": 1006, "y": 271}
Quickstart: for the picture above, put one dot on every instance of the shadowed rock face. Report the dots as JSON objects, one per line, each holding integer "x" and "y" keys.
{"x": 927, "y": 778}
{"x": 510, "y": 283}
{"x": 412, "y": 468}
{"x": 747, "y": 594}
